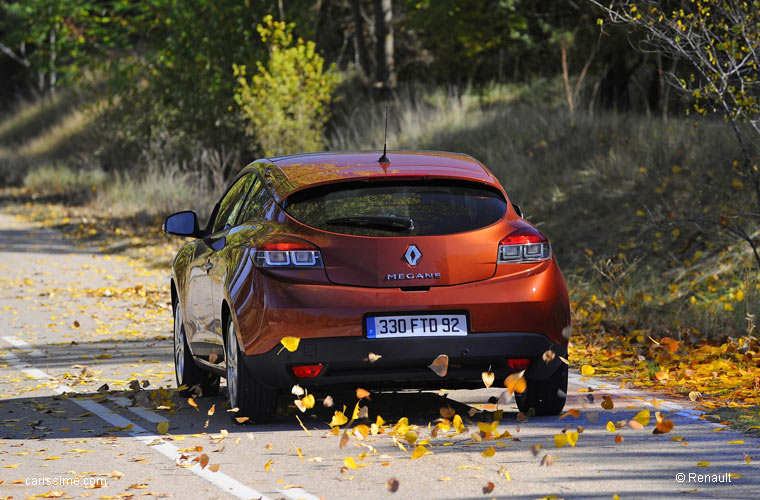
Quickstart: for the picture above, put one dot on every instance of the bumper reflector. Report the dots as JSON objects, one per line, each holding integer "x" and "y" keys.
{"x": 518, "y": 364}
{"x": 306, "y": 371}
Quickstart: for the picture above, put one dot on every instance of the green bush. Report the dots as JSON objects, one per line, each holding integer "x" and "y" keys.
{"x": 285, "y": 104}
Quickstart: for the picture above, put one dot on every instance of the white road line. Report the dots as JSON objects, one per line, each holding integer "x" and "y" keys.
{"x": 24, "y": 367}
{"x": 141, "y": 412}
{"x": 218, "y": 479}
{"x": 16, "y": 342}
{"x": 298, "y": 494}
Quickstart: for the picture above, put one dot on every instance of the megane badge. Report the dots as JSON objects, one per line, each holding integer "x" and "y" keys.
{"x": 412, "y": 255}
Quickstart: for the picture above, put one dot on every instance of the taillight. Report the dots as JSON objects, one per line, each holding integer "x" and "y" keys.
{"x": 287, "y": 252}
{"x": 306, "y": 371}
{"x": 518, "y": 364}
{"x": 524, "y": 245}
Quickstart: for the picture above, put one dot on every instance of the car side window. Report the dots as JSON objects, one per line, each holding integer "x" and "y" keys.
{"x": 255, "y": 203}
{"x": 230, "y": 204}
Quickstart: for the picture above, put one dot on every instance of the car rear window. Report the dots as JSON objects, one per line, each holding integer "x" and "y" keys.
{"x": 398, "y": 208}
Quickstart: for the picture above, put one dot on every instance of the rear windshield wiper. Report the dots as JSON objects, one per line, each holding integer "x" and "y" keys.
{"x": 391, "y": 223}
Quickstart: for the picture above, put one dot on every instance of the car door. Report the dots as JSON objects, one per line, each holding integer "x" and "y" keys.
{"x": 216, "y": 262}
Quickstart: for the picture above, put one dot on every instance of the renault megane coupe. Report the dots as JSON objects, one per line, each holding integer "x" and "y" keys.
{"x": 378, "y": 267}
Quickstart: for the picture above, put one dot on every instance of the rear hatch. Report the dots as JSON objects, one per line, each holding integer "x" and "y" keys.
{"x": 404, "y": 233}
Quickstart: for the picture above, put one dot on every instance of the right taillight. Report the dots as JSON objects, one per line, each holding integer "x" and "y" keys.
{"x": 287, "y": 252}
{"x": 524, "y": 245}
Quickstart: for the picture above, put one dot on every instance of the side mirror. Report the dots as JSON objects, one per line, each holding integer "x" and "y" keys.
{"x": 182, "y": 224}
{"x": 518, "y": 210}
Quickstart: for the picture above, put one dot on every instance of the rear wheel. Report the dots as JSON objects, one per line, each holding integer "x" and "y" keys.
{"x": 248, "y": 395}
{"x": 186, "y": 371}
{"x": 546, "y": 397}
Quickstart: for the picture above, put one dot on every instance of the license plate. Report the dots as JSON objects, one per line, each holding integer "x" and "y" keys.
{"x": 418, "y": 325}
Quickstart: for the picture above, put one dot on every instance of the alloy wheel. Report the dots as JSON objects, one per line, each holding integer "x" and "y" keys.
{"x": 179, "y": 346}
{"x": 232, "y": 365}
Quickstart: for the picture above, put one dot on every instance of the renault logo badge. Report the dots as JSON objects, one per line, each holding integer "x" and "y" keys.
{"x": 412, "y": 255}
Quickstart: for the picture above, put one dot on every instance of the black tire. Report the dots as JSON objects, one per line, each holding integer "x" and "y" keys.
{"x": 248, "y": 395}
{"x": 186, "y": 372}
{"x": 544, "y": 396}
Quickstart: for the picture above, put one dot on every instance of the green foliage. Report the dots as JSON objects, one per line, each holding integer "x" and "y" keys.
{"x": 285, "y": 103}
{"x": 63, "y": 37}
{"x": 60, "y": 179}
{"x": 464, "y": 36}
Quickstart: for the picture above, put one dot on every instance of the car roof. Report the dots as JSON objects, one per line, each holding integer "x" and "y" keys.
{"x": 298, "y": 172}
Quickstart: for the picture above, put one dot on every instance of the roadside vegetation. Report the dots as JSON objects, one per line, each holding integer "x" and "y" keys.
{"x": 651, "y": 210}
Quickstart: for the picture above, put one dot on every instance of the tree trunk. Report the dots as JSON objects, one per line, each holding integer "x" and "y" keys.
{"x": 566, "y": 79}
{"x": 390, "y": 62}
{"x": 360, "y": 45}
{"x": 381, "y": 74}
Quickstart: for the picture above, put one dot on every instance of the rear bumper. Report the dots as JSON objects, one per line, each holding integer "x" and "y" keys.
{"x": 404, "y": 362}
{"x": 519, "y": 298}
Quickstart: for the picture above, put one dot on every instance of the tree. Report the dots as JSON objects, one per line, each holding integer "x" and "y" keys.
{"x": 285, "y": 104}
{"x": 719, "y": 41}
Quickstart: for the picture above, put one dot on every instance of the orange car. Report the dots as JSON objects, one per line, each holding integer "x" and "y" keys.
{"x": 378, "y": 267}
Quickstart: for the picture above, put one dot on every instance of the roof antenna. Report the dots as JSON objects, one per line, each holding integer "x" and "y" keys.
{"x": 384, "y": 159}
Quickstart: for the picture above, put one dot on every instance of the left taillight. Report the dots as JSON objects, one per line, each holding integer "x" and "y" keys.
{"x": 524, "y": 245}
{"x": 287, "y": 253}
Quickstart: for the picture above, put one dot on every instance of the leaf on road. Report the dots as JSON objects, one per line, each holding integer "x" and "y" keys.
{"x": 268, "y": 465}
{"x": 488, "y": 488}
{"x": 547, "y": 460}
{"x": 619, "y": 438}
{"x": 607, "y": 403}
{"x": 663, "y": 427}
{"x": 572, "y": 438}
{"x": 440, "y": 365}
{"x": 703, "y": 464}
{"x": 350, "y": 463}
{"x": 203, "y": 460}
{"x": 392, "y": 485}
{"x": 418, "y": 452}
{"x": 611, "y": 427}
{"x": 489, "y": 452}
{"x": 487, "y": 378}
{"x": 695, "y": 395}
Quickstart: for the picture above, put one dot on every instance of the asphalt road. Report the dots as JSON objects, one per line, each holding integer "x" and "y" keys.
{"x": 73, "y": 320}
